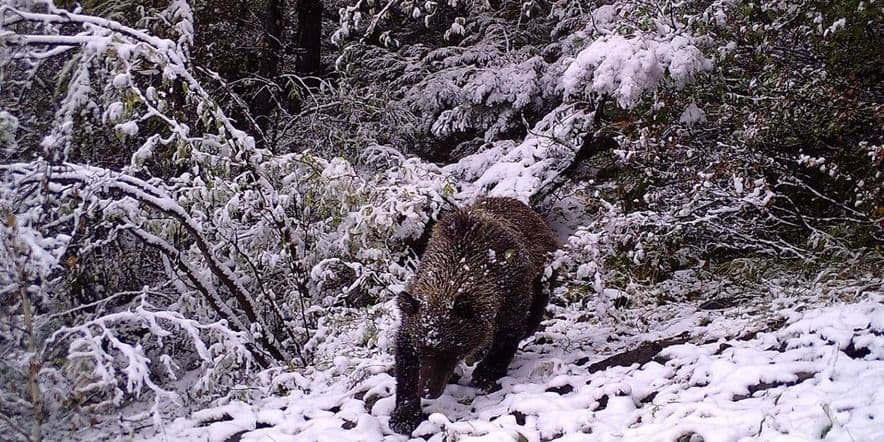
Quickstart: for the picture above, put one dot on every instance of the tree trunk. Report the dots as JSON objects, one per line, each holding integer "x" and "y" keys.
{"x": 33, "y": 361}
{"x": 271, "y": 59}
{"x": 309, "y": 37}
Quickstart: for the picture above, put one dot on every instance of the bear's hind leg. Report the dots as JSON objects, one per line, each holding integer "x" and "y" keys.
{"x": 538, "y": 303}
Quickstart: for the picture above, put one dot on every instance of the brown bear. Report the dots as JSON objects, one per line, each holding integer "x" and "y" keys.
{"x": 477, "y": 293}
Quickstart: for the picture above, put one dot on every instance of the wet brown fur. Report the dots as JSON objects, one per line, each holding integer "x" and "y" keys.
{"x": 477, "y": 292}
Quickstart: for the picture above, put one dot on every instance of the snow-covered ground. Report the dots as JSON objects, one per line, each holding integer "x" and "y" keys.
{"x": 791, "y": 364}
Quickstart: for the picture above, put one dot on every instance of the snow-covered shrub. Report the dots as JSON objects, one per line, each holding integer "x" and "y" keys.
{"x": 516, "y": 62}
{"x": 462, "y": 91}
{"x": 750, "y": 152}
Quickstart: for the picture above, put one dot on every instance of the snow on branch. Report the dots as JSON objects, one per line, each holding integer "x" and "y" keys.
{"x": 116, "y": 355}
{"x": 520, "y": 171}
{"x": 625, "y": 68}
{"x": 129, "y": 50}
{"x": 95, "y": 180}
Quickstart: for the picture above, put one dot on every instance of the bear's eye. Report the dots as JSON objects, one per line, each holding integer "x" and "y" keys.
{"x": 463, "y": 309}
{"x": 408, "y": 304}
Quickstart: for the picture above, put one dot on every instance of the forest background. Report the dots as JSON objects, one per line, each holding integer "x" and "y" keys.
{"x": 199, "y": 196}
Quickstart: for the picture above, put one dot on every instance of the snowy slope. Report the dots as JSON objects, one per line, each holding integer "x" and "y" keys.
{"x": 794, "y": 364}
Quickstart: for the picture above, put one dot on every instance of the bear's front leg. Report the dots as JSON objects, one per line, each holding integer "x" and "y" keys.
{"x": 407, "y": 414}
{"x": 495, "y": 363}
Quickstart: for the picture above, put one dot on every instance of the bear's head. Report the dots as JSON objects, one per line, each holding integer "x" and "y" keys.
{"x": 445, "y": 329}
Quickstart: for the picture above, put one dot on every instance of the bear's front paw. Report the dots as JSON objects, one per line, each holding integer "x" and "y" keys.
{"x": 405, "y": 419}
{"x": 485, "y": 378}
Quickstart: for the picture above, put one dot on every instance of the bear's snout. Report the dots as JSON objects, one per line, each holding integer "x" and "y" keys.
{"x": 434, "y": 374}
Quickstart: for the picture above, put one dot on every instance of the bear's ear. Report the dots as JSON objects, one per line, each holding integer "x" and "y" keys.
{"x": 463, "y": 309}
{"x": 460, "y": 224}
{"x": 407, "y": 304}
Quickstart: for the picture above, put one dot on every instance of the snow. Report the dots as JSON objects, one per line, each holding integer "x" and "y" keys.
{"x": 779, "y": 366}
{"x": 129, "y": 128}
{"x": 626, "y": 67}
{"x": 518, "y": 171}
{"x": 121, "y": 81}
{"x": 692, "y": 114}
